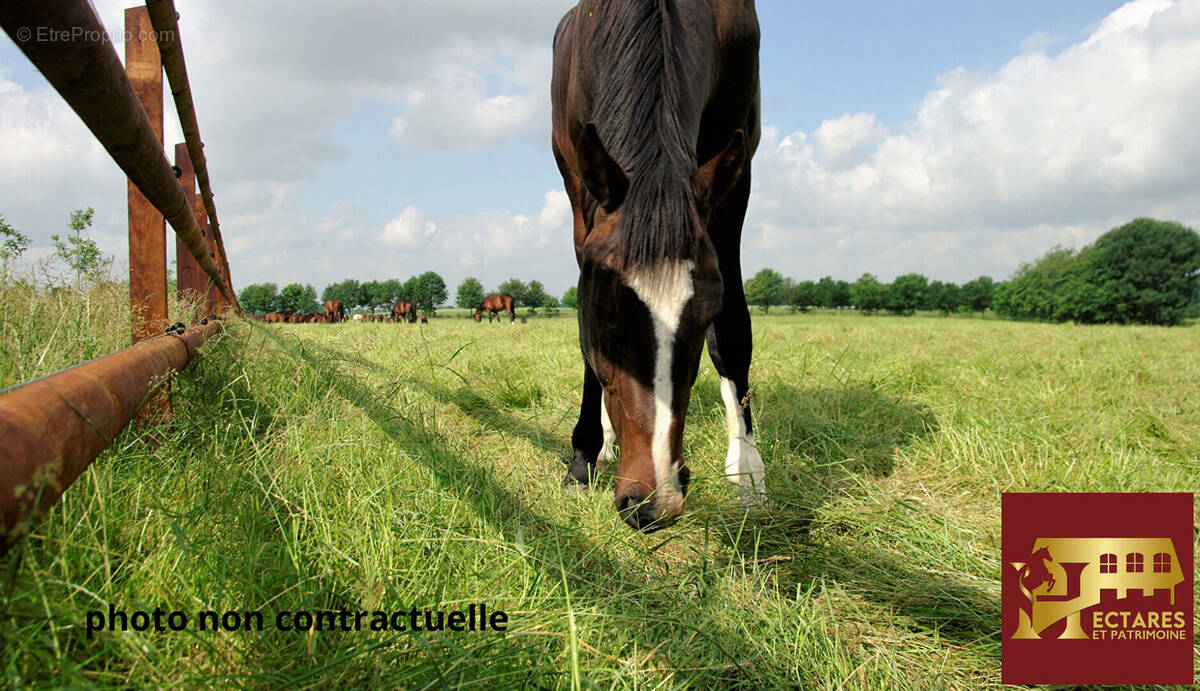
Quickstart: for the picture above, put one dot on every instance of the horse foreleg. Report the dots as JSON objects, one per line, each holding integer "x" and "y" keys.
{"x": 730, "y": 346}
{"x": 588, "y": 436}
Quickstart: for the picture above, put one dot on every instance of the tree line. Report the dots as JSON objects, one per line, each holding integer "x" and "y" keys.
{"x": 1144, "y": 272}
{"x": 532, "y": 294}
{"x": 427, "y": 291}
{"x": 905, "y": 295}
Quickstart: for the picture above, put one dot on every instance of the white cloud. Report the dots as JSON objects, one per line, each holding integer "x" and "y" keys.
{"x": 409, "y": 230}
{"x": 454, "y": 108}
{"x": 846, "y": 140}
{"x": 556, "y": 214}
{"x": 996, "y": 167}
{"x": 992, "y": 169}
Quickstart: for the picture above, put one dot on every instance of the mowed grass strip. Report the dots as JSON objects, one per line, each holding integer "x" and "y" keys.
{"x": 385, "y": 466}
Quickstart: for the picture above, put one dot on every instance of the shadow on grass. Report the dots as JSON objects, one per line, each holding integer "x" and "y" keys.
{"x": 562, "y": 551}
{"x": 830, "y": 443}
{"x": 473, "y": 405}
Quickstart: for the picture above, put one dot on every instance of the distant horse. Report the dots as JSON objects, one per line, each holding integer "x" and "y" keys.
{"x": 1035, "y": 572}
{"x": 404, "y": 310}
{"x": 655, "y": 119}
{"x": 335, "y": 311}
{"x": 494, "y": 304}
{"x": 424, "y": 319}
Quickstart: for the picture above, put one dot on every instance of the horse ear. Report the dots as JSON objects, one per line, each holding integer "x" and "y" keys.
{"x": 713, "y": 180}
{"x": 601, "y": 174}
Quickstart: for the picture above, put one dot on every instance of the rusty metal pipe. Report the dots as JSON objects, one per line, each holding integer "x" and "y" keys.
{"x": 165, "y": 20}
{"x": 54, "y": 427}
{"x": 84, "y": 68}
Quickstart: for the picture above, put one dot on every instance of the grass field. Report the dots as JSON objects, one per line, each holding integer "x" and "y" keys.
{"x": 380, "y": 466}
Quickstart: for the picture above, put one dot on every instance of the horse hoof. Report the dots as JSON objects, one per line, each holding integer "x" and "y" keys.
{"x": 752, "y": 495}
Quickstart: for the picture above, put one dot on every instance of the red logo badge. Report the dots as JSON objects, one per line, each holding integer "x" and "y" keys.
{"x": 1096, "y": 588}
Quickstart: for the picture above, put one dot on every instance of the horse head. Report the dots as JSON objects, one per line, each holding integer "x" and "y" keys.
{"x": 643, "y": 316}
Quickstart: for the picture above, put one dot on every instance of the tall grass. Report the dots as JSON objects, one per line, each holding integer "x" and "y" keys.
{"x": 45, "y": 329}
{"x": 387, "y": 466}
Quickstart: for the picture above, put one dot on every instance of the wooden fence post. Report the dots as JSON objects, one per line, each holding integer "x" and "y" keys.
{"x": 215, "y": 298}
{"x": 147, "y": 229}
{"x": 188, "y": 280}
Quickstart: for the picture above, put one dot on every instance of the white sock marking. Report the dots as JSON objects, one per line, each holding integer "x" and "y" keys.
{"x": 606, "y": 450}
{"x": 743, "y": 464}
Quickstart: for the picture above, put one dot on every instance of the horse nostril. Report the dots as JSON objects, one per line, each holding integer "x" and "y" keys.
{"x": 629, "y": 502}
{"x": 685, "y": 476}
{"x": 635, "y": 510}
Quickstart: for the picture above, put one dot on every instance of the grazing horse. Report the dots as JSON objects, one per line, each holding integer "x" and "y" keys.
{"x": 335, "y": 311}
{"x": 494, "y": 304}
{"x": 404, "y": 310}
{"x": 424, "y": 319}
{"x": 655, "y": 119}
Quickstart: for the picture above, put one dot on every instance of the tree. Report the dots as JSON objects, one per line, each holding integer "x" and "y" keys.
{"x": 470, "y": 293}
{"x": 369, "y": 293}
{"x": 825, "y": 292}
{"x": 550, "y": 305}
{"x": 944, "y": 297}
{"x": 516, "y": 288}
{"x": 906, "y": 293}
{"x": 765, "y": 289}
{"x": 841, "y": 294}
{"x": 389, "y": 292}
{"x": 408, "y": 289}
{"x": 13, "y": 244}
{"x": 80, "y": 253}
{"x": 258, "y": 298}
{"x": 868, "y": 294}
{"x": 977, "y": 294}
{"x": 348, "y": 291}
{"x": 535, "y": 295}
{"x": 571, "y": 297}
{"x": 802, "y": 295}
{"x": 429, "y": 292}
{"x": 1036, "y": 290}
{"x": 1146, "y": 271}
{"x": 297, "y": 298}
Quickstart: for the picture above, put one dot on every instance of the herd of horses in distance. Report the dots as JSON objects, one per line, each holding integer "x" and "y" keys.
{"x": 402, "y": 311}
{"x": 655, "y": 119}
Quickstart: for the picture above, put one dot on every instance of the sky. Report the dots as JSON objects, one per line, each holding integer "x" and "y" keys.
{"x": 374, "y": 140}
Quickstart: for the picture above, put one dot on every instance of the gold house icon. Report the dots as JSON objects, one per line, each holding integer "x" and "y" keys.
{"x": 1065, "y": 576}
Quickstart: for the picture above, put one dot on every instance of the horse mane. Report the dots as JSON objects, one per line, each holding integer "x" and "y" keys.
{"x": 638, "y": 109}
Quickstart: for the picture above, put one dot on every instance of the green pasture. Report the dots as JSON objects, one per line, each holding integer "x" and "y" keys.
{"x": 391, "y": 466}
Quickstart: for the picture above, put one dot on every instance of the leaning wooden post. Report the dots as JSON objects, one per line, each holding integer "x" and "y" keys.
{"x": 147, "y": 229}
{"x": 188, "y": 283}
{"x": 215, "y": 298}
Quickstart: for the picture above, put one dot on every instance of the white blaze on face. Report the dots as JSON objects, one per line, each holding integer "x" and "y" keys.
{"x": 743, "y": 464}
{"x": 664, "y": 289}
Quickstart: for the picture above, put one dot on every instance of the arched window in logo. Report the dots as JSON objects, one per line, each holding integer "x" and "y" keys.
{"x": 1133, "y": 562}
{"x": 1162, "y": 563}
{"x": 1108, "y": 563}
